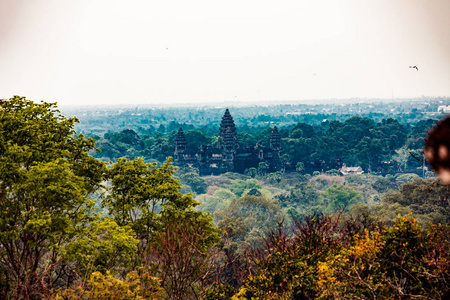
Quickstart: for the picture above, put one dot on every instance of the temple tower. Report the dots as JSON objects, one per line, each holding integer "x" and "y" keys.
{"x": 275, "y": 145}
{"x": 275, "y": 140}
{"x": 227, "y": 141}
{"x": 180, "y": 147}
{"x": 227, "y": 131}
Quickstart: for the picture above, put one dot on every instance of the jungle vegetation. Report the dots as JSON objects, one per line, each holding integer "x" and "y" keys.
{"x": 73, "y": 226}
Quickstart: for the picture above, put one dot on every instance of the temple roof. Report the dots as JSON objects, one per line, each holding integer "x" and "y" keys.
{"x": 227, "y": 122}
{"x": 180, "y": 139}
{"x": 227, "y": 135}
{"x": 275, "y": 139}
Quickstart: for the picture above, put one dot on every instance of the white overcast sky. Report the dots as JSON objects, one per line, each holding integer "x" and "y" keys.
{"x": 84, "y": 52}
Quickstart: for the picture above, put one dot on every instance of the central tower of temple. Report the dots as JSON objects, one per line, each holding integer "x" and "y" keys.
{"x": 180, "y": 147}
{"x": 227, "y": 141}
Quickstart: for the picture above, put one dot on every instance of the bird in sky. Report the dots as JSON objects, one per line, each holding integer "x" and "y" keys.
{"x": 414, "y": 67}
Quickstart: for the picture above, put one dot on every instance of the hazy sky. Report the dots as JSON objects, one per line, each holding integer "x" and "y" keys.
{"x": 114, "y": 52}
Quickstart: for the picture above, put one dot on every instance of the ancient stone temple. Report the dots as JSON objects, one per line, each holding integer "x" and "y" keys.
{"x": 228, "y": 155}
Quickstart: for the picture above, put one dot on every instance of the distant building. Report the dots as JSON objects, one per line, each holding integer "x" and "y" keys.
{"x": 444, "y": 109}
{"x": 228, "y": 155}
{"x": 350, "y": 170}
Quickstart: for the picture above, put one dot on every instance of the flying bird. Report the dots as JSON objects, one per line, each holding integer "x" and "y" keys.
{"x": 414, "y": 67}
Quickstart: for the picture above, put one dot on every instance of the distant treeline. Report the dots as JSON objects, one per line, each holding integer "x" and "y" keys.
{"x": 99, "y": 120}
{"x": 387, "y": 146}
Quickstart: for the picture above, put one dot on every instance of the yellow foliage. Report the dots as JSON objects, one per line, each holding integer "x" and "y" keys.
{"x": 351, "y": 263}
{"x": 104, "y": 287}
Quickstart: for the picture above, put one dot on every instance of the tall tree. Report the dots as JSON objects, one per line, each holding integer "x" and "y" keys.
{"x": 137, "y": 192}
{"x": 46, "y": 180}
{"x": 174, "y": 239}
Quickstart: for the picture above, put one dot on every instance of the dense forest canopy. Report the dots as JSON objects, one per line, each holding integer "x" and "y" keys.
{"x": 76, "y": 226}
{"x": 145, "y": 119}
{"x": 387, "y": 146}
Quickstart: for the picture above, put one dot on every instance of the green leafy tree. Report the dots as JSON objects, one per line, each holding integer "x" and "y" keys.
{"x": 126, "y": 136}
{"x": 370, "y": 151}
{"x": 382, "y": 185}
{"x": 426, "y": 199}
{"x": 304, "y": 199}
{"x": 300, "y": 167}
{"x": 174, "y": 238}
{"x": 332, "y": 172}
{"x": 103, "y": 246}
{"x": 238, "y": 187}
{"x": 137, "y": 192}
{"x": 262, "y": 168}
{"x": 218, "y": 200}
{"x": 196, "y": 182}
{"x": 249, "y": 214}
{"x": 307, "y": 130}
{"x": 194, "y": 138}
{"x": 161, "y": 128}
{"x": 396, "y": 132}
{"x": 252, "y": 172}
{"x": 46, "y": 180}
{"x": 108, "y": 150}
{"x": 296, "y": 133}
{"x": 340, "y": 196}
{"x": 275, "y": 177}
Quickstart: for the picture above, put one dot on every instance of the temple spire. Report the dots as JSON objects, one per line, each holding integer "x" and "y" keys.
{"x": 180, "y": 140}
{"x": 275, "y": 140}
{"x": 180, "y": 146}
{"x": 227, "y": 135}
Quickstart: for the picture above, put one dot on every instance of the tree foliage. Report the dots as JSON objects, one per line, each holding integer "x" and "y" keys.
{"x": 138, "y": 285}
{"x": 404, "y": 261}
{"x": 55, "y": 241}
{"x": 180, "y": 253}
{"x": 46, "y": 180}
{"x": 51, "y": 234}
{"x": 321, "y": 262}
